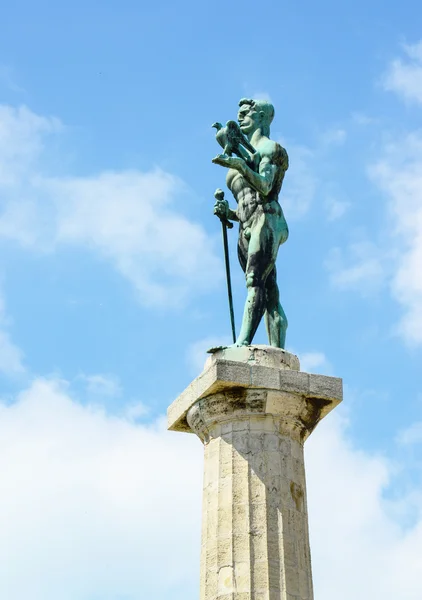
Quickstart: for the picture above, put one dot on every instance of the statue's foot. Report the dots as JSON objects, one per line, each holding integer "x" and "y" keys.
{"x": 215, "y": 349}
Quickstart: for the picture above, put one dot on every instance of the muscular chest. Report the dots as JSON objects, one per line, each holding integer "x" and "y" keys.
{"x": 238, "y": 185}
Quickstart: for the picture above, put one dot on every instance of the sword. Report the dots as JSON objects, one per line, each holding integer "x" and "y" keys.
{"x": 225, "y": 224}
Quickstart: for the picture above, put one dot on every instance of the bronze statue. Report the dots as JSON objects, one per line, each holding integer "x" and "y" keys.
{"x": 255, "y": 177}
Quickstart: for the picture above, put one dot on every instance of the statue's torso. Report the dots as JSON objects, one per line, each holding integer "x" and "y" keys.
{"x": 251, "y": 205}
{"x": 246, "y": 197}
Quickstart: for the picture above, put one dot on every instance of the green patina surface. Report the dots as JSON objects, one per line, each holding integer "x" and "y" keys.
{"x": 255, "y": 176}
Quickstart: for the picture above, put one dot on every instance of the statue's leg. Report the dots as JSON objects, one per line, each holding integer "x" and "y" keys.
{"x": 242, "y": 250}
{"x": 259, "y": 265}
{"x": 275, "y": 318}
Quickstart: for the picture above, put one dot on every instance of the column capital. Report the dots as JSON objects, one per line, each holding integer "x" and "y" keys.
{"x": 258, "y": 381}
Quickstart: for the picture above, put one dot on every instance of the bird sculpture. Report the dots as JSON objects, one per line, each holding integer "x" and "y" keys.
{"x": 232, "y": 140}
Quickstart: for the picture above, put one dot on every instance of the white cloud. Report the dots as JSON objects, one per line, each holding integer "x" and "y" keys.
{"x": 354, "y": 530}
{"x": 260, "y": 95}
{"x": 300, "y": 183}
{"x": 411, "y": 435}
{"x": 315, "y": 362}
{"x": 136, "y": 410}
{"x": 22, "y": 138}
{"x": 335, "y": 136}
{"x": 398, "y": 173}
{"x": 129, "y": 218}
{"x": 359, "y": 266}
{"x": 404, "y": 76}
{"x": 303, "y": 179}
{"x": 102, "y": 384}
{"x": 94, "y": 506}
{"x": 335, "y": 208}
{"x": 397, "y": 257}
{"x": 363, "y": 119}
{"x": 8, "y": 79}
{"x": 256, "y": 94}
{"x": 11, "y": 357}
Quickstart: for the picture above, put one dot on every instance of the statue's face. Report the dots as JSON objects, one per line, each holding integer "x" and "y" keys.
{"x": 248, "y": 118}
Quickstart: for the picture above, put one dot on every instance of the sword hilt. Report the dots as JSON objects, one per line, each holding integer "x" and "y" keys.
{"x": 227, "y": 223}
{"x": 219, "y": 195}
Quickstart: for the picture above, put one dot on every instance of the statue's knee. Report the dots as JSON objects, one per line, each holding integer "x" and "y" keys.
{"x": 281, "y": 321}
{"x": 252, "y": 280}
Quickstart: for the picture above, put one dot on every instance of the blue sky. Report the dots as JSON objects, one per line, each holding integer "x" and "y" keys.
{"x": 112, "y": 281}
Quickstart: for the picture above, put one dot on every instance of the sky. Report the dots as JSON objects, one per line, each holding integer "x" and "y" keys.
{"x": 112, "y": 283}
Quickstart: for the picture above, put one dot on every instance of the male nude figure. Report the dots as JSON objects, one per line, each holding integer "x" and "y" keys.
{"x": 262, "y": 226}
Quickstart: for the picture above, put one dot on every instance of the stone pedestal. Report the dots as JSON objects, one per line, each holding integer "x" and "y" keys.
{"x": 253, "y": 409}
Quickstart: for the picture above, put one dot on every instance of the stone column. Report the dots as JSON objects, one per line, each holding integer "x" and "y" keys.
{"x": 253, "y": 409}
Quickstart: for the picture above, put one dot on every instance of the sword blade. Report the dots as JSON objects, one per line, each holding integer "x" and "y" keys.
{"x": 228, "y": 277}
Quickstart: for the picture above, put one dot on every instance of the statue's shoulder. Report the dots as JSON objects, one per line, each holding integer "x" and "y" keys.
{"x": 276, "y": 153}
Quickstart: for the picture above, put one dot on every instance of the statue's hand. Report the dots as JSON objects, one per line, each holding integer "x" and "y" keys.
{"x": 221, "y": 209}
{"x": 231, "y": 162}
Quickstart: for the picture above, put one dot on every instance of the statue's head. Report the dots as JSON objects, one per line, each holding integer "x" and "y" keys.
{"x": 255, "y": 114}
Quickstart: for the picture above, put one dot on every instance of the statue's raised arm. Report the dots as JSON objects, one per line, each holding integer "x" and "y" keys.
{"x": 255, "y": 176}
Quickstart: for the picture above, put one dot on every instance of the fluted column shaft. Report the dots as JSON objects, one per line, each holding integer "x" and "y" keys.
{"x": 255, "y": 543}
